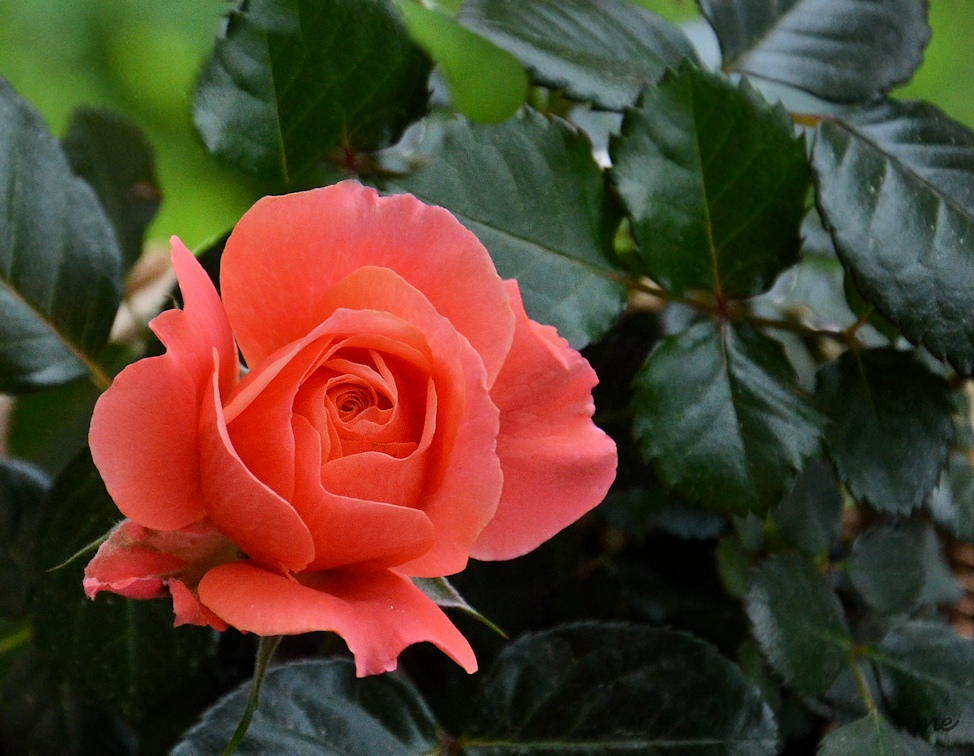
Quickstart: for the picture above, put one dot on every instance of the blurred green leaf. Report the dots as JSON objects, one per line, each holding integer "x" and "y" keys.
{"x": 941, "y": 587}
{"x": 486, "y": 83}
{"x": 41, "y": 715}
{"x": 891, "y": 426}
{"x": 733, "y": 566}
{"x": 599, "y": 50}
{"x": 294, "y": 80}
{"x": 317, "y": 707}
{"x": 715, "y": 182}
{"x": 927, "y": 672}
{"x": 531, "y": 191}
{"x": 798, "y": 622}
{"x": 607, "y": 688}
{"x": 886, "y": 567}
{"x": 23, "y": 488}
{"x": 809, "y": 516}
{"x": 60, "y": 268}
{"x": 872, "y": 735}
{"x": 719, "y": 412}
{"x": 114, "y": 157}
{"x": 50, "y": 427}
{"x": 115, "y": 649}
{"x": 952, "y": 503}
{"x": 895, "y": 188}
{"x": 842, "y": 50}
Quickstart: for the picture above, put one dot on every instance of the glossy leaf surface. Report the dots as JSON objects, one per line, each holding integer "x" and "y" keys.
{"x": 891, "y": 426}
{"x": 715, "y": 183}
{"x": 292, "y": 81}
{"x": 599, "y": 50}
{"x": 625, "y": 688}
{"x": 719, "y": 412}
{"x": 895, "y": 187}
{"x": 845, "y": 50}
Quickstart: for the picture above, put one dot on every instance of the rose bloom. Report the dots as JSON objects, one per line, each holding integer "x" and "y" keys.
{"x": 399, "y": 414}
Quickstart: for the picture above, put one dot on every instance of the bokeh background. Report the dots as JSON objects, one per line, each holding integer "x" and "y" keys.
{"x": 141, "y": 58}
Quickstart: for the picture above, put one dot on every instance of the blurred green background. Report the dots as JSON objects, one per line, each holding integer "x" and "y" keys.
{"x": 141, "y": 58}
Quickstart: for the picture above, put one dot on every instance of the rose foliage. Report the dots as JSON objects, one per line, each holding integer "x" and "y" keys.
{"x": 649, "y": 344}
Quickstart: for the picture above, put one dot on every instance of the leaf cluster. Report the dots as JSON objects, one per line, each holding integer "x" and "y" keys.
{"x": 768, "y": 260}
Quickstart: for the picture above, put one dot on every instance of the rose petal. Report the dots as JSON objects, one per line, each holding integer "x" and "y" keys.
{"x": 189, "y": 611}
{"x": 287, "y": 252}
{"x": 262, "y": 524}
{"x": 138, "y": 563}
{"x": 143, "y": 442}
{"x": 557, "y": 464}
{"x": 143, "y": 432}
{"x": 261, "y": 429}
{"x": 463, "y": 487}
{"x": 349, "y": 531}
{"x": 377, "y": 613}
{"x": 192, "y": 333}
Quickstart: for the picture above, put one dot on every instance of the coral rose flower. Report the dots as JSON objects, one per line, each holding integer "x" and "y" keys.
{"x": 399, "y": 414}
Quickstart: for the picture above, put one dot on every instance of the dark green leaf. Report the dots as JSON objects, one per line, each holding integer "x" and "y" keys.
{"x": 872, "y": 736}
{"x": 22, "y": 491}
{"x": 60, "y": 268}
{"x": 486, "y": 84}
{"x": 599, "y": 50}
{"x": 614, "y": 689}
{"x": 733, "y": 567}
{"x": 895, "y": 187}
{"x": 798, "y": 622}
{"x": 294, "y": 80}
{"x": 114, "y": 649}
{"x": 841, "y": 50}
{"x": 114, "y": 157}
{"x": 634, "y": 510}
{"x": 718, "y": 411}
{"x": 50, "y": 427}
{"x": 940, "y": 586}
{"x": 320, "y": 707}
{"x": 530, "y": 189}
{"x": 952, "y": 503}
{"x": 809, "y": 516}
{"x": 927, "y": 672}
{"x": 891, "y": 426}
{"x": 40, "y": 715}
{"x": 715, "y": 182}
{"x": 886, "y": 566}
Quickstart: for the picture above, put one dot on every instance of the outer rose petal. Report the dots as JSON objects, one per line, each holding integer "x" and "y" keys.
{"x": 189, "y": 610}
{"x": 143, "y": 431}
{"x": 286, "y": 252}
{"x": 145, "y": 564}
{"x": 126, "y": 565}
{"x": 377, "y": 613}
{"x": 557, "y": 464}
